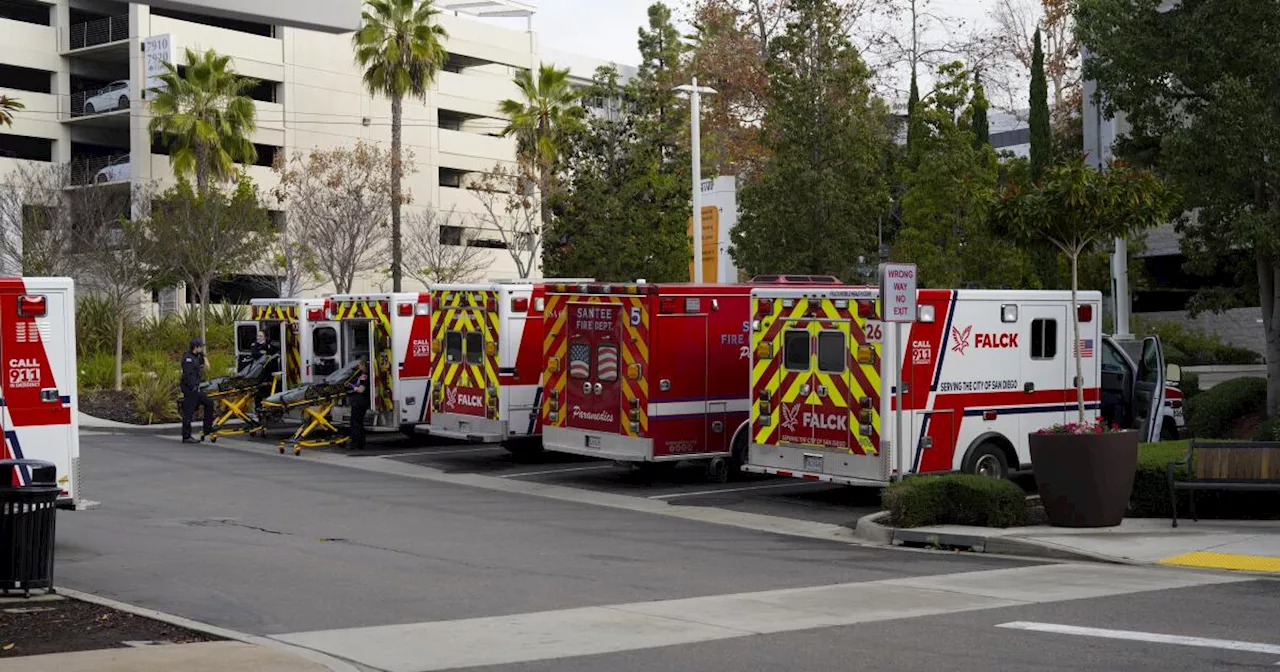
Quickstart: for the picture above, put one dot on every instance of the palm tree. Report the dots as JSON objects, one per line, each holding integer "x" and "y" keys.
{"x": 7, "y": 107}
{"x": 540, "y": 123}
{"x": 400, "y": 47}
{"x": 205, "y": 117}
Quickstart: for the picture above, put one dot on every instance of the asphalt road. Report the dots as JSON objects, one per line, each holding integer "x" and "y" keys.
{"x": 402, "y": 572}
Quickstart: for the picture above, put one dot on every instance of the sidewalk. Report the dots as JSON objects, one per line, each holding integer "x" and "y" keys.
{"x": 1220, "y": 544}
{"x": 201, "y": 657}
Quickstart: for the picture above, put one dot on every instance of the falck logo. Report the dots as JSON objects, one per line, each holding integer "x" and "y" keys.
{"x": 961, "y": 338}
{"x": 790, "y": 416}
{"x": 452, "y": 394}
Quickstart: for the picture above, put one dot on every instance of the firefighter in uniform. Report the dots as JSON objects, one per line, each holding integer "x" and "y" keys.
{"x": 358, "y": 396}
{"x": 193, "y": 364}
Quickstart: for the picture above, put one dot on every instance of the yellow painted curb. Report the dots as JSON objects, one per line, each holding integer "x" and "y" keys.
{"x": 1246, "y": 563}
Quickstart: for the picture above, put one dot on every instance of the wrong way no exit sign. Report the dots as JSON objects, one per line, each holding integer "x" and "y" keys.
{"x": 898, "y": 292}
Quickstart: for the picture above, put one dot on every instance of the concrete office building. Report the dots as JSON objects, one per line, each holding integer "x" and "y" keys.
{"x": 80, "y": 68}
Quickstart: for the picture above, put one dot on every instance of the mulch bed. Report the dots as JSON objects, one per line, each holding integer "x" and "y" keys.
{"x": 36, "y": 627}
{"x": 119, "y": 407}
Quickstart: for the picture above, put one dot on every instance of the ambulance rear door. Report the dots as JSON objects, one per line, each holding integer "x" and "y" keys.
{"x": 593, "y": 390}
{"x": 469, "y": 370}
{"x": 1148, "y": 389}
{"x": 323, "y": 354}
{"x": 246, "y": 336}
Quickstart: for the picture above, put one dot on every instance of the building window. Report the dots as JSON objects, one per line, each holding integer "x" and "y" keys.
{"x": 252, "y": 28}
{"x": 451, "y": 177}
{"x": 1044, "y": 339}
{"x": 26, "y": 79}
{"x": 451, "y": 235}
{"x": 25, "y": 147}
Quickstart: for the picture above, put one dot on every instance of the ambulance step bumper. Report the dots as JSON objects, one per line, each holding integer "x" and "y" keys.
{"x": 810, "y": 476}
{"x": 456, "y": 435}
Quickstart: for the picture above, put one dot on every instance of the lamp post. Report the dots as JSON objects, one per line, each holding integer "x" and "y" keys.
{"x": 695, "y": 95}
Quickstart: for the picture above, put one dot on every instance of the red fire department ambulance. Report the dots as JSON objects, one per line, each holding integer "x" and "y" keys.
{"x": 393, "y": 333}
{"x": 301, "y": 328}
{"x": 980, "y": 370}
{"x": 39, "y": 411}
{"x": 645, "y": 373}
{"x": 486, "y": 375}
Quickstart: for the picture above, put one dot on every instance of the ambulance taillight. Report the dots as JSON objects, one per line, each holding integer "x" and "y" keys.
{"x": 520, "y": 304}
{"x": 866, "y": 415}
{"x": 764, "y": 351}
{"x": 633, "y": 371}
{"x": 634, "y": 413}
{"x": 866, "y": 309}
{"x": 766, "y": 406}
{"x": 1085, "y": 312}
{"x": 405, "y": 310}
{"x": 315, "y": 314}
{"x": 553, "y": 364}
{"x": 32, "y": 305}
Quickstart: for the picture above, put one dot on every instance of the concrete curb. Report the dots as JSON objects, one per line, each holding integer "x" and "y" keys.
{"x": 333, "y": 664}
{"x": 140, "y": 430}
{"x": 870, "y": 529}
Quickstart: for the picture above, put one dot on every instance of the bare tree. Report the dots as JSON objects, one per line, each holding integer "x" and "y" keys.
{"x": 899, "y": 38}
{"x": 438, "y": 249}
{"x": 46, "y": 218}
{"x": 510, "y": 205}
{"x": 289, "y": 267}
{"x": 339, "y": 201}
{"x": 201, "y": 237}
{"x": 1004, "y": 53}
{"x": 117, "y": 264}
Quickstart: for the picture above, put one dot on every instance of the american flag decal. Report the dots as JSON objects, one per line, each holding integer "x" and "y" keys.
{"x": 579, "y": 360}
{"x": 607, "y": 363}
{"x": 1084, "y": 348}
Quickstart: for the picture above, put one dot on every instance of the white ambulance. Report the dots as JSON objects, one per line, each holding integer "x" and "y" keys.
{"x": 393, "y": 333}
{"x": 979, "y": 370}
{"x": 39, "y": 412}
{"x": 487, "y": 367}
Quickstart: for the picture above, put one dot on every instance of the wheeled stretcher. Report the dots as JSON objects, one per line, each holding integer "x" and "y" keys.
{"x": 236, "y": 397}
{"x": 315, "y": 403}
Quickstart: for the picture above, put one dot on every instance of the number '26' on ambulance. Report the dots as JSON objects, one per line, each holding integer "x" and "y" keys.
{"x": 979, "y": 371}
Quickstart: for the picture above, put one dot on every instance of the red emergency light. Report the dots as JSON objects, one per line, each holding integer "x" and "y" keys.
{"x": 315, "y": 314}
{"x": 405, "y": 309}
{"x": 435, "y": 303}
{"x": 519, "y": 304}
{"x": 491, "y": 305}
{"x": 1085, "y": 313}
{"x": 866, "y": 309}
{"x": 669, "y": 304}
{"x": 32, "y": 305}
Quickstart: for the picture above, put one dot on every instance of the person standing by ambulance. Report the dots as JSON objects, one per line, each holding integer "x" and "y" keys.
{"x": 358, "y": 397}
{"x": 193, "y": 366}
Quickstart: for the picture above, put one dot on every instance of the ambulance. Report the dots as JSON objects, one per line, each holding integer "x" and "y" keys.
{"x": 38, "y": 407}
{"x": 393, "y": 333}
{"x": 308, "y": 340}
{"x": 979, "y": 370}
{"x": 646, "y": 373}
{"x": 486, "y": 373}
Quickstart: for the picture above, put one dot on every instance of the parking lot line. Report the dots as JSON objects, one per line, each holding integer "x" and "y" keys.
{"x": 768, "y": 486}
{"x": 559, "y": 471}
{"x": 1135, "y": 636}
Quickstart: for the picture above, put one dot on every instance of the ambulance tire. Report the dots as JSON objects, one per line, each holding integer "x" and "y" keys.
{"x": 738, "y": 455}
{"x": 987, "y": 459}
{"x": 1168, "y": 430}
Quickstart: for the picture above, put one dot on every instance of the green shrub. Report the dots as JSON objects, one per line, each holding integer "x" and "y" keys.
{"x": 1151, "y": 490}
{"x": 1190, "y": 385}
{"x": 1213, "y": 414}
{"x": 1187, "y": 346}
{"x": 95, "y": 325}
{"x": 1268, "y": 430}
{"x": 97, "y": 371}
{"x": 955, "y": 499}
{"x": 221, "y": 364}
{"x": 155, "y": 395}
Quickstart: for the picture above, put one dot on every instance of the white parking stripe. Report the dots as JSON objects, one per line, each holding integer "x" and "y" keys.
{"x": 1134, "y": 636}
{"x": 546, "y": 635}
{"x": 559, "y": 471}
{"x": 769, "y": 486}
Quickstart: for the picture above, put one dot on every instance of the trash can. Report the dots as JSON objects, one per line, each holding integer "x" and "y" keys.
{"x": 27, "y": 517}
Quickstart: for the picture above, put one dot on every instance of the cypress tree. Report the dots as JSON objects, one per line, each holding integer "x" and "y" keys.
{"x": 978, "y": 121}
{"x": 1041, "y": 135}
{"x": 913, "y": 101}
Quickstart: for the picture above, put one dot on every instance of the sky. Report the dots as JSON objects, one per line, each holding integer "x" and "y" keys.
{"x": 606, "y": 29}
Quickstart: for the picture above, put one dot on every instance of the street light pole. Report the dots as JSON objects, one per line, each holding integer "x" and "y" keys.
{"x": 695, "y": 145}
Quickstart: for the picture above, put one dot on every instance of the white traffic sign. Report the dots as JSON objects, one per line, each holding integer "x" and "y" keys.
{"x": 898, "y": 292}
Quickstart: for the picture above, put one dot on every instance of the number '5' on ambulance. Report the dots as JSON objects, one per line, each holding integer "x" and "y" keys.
{"x": 979, "y": 371}
{"x": 39, "y": 412}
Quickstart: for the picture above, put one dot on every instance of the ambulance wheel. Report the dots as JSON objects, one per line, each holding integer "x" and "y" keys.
{"x": 988, "y": 460}
{"x": 737, "y": 456}
{"x": 718, "y": 470}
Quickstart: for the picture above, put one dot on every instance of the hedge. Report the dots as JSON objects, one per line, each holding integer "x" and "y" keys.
{"x": 1213, "y": 414}
{"x": 1151, "y": 490}
{"x": 1189, "y": 346}
{"x": 955, "y": 499}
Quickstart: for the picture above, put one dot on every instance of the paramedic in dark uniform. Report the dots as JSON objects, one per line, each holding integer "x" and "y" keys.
{"x": 358, "y": 396}
{"x": 193, "y": 365}
{"x": 260, "y": 346}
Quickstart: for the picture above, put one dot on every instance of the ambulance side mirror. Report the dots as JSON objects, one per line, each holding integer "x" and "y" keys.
{"x": 1173, "y": 374}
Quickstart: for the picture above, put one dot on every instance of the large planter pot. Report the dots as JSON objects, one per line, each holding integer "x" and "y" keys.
{"x": 1085, "y": 480}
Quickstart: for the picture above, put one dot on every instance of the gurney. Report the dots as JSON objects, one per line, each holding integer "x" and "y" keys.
{"x": 236, "y": 397}
{"x": 315, "y": 402}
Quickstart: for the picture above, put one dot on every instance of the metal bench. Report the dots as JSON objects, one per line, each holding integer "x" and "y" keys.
{"x": 1226, "y": 465}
